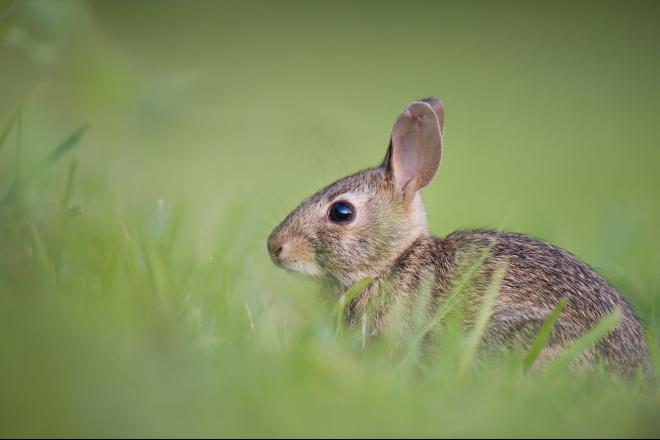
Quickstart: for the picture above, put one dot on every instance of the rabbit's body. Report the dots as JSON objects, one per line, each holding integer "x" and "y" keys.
{"x": 373, "y": 223}
{"x": 537, "y": 276}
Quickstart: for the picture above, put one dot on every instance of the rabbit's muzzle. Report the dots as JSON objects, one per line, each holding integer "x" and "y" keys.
{"x": 275, "y": 248}
{"x": 294, "y": 253}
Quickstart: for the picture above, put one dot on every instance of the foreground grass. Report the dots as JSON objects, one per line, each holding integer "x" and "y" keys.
{"x": 111, "y": 325}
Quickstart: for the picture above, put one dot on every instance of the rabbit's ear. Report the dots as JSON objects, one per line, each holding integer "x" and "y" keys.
{"x": 416, "y": 146}
{"x": 439, "y": 110}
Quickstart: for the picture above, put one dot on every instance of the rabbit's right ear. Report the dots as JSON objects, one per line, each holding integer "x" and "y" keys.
{"x": 415, "y": 150}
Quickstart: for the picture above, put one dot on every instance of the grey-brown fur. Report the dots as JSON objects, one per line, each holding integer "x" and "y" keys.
{"x": 389, "y": 240}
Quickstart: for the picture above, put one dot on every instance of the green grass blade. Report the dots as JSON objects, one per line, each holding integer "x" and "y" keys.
{"x": 8, "y": 128}
{"x": 349, "y": 295}
{"x": 67, "y": 145}
{"x": 338, "y": 309}
{"x": 601, "y": 329}
{"x": 485, "y": 311}
{"x": 445, "y": 307}
{"x": 543, "y": 335}
{"x": 70, "y": 181}
{"x": 41, "y": 255}
{"x": 73, "y": 211}
{"x": 24, "y": 178}
{"x": 442, "y": 311}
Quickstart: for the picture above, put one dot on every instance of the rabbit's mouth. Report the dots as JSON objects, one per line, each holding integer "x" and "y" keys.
{"x": 294, "y": 254}
{"x": 303, "y": 267}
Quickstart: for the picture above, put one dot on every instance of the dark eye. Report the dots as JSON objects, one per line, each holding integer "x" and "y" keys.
{"x": 341, "y": 212}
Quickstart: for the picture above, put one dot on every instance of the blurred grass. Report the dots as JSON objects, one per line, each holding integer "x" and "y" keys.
{"x": 136, "y": 294}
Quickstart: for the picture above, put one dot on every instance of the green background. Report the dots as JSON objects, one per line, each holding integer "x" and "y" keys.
{"x": 145, "y": 303}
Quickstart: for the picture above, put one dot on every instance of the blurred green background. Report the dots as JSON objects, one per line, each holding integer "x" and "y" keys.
{"x": 136, "y": 293}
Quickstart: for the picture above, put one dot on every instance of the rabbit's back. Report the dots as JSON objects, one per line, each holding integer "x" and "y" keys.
{"x": 537, "y": 277}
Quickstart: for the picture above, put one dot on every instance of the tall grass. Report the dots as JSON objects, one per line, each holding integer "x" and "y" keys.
{"x": 110, "y": 327}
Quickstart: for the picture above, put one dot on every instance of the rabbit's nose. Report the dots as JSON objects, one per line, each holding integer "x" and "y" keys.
{"x": 275, "y": 249}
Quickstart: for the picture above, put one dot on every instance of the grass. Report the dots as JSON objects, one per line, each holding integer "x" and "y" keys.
{"x": 543, "y": 335}
{"x": 136, "y": 293}
{"x": 116, "y": 331}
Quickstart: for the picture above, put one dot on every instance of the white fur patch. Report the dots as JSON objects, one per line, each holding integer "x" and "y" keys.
{"x": 418, "y": 219}
{"x": 308, "y": 268}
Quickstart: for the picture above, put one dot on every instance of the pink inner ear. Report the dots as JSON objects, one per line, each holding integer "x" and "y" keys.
{"x": 406, "y": 157}
{"x": 406, "y": 165}
{"x": 416, "y": 147}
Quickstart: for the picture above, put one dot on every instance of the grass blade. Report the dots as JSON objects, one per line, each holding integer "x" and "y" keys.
{"x": 442, "y": 311}
{"x": 8, "y": 128}
{"x": 445, "y": 307}
{"x": 338, "y": 309}
{"x": 485, "y": 311}
{"x": 452, "y": 299}
{"x": 70, "y": 181}
{"x": 543, "y": 335}
{"x": 67, "y": 145}
{"x": 23, "y": 179}
{"x": 39, "y": 251}
{"x": 349, "y": 295}
{"x": 601, "y": 329}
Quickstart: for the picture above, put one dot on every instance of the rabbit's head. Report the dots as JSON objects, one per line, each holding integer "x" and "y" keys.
{"x": 361, "y": 224}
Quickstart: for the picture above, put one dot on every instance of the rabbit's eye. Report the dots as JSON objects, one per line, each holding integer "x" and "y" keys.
{"x": 341, "y": 212}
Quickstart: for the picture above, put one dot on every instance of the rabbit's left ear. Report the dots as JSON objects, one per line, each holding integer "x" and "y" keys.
{"x": 415, "y": 150}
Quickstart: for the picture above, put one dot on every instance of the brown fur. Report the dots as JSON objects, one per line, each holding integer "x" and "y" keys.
{"x": 389, "y": 240}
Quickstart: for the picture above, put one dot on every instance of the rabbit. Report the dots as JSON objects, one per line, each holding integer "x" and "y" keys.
{"x": 373, "y": 223}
